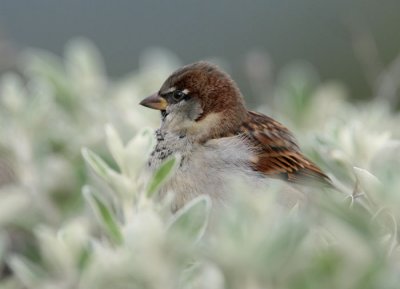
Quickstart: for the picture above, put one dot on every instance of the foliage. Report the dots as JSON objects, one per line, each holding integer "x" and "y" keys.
{"x": 74, "y": 214}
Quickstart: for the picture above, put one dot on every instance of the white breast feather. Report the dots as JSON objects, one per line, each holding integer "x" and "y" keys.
{"x": 205, "y": 169}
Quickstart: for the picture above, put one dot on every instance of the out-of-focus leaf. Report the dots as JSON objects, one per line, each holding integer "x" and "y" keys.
{"x": 354, "y": 217}
{"x": 3, "y": 245}
{"x": 369, "y": 184}
{"x": 137, "y": 152}
{"x": 59, "y": 105}
{"x": 277, "y": 250}
{"x": 55, "y": 253}
{"x": 13, "y": 205}
{"x": 10, "y": 283}
{"x": 297, "y": 83}
{"x": 161, "y": 175}
{"x": 27, "y": 272}
{"x": 115, "y": 146}
{"x": 12, "y": 92}
{"x": 75, "y": 235}
{"x": 104, "y": 215}
{"x": 97, "y": 164}
{"x": 49, "y": 68}
{"x": 202, "y": 275}
{"x": 192, "y": 219}
{"x": 85, "y": 67}
{"x": 84, "y": 258}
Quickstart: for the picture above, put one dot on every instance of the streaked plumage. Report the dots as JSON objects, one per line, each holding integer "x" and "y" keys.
{"x": 204, "y": 119}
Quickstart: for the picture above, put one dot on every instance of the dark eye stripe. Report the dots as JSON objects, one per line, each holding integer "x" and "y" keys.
{"x": 176, "y": 96}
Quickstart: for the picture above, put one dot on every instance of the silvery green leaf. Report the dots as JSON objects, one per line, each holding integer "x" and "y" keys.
{"x": 104, "y": 215}
{"x": 393, "y": 241}
{"x": 145, "y": 231}
{"x": 294, "y": 211}
{"x": 85, "y": 67}
{"x": 26, "y": 271}
{"x": 369, "y": 184}
{"x": 75, "y": 235}
{"x": 82, "y": 52}
{"x": 360, "y": 143}
{"x": 84, "y": 257}
{"x": 115, "y": 146}
{"x": 352, "y": 217}
{"x": 202, "y": 275}
{"x": 3, "y": 246}
{"x": 12, "y": 92}
{"x": 161, "y": 175}
{"x": 124, "y": 187}
{"x": 54, "y": 252}
{"x": 278, "y": 249}
{"x": 296, "y": 87}
{"x": 13, "y": 204}
{"x": 137, "y": 151}
{"x": 97, "y": 164}
{"x": 49, "y": 68}
{"x": 191, "y": 221}
{"x": 10, "y": 283}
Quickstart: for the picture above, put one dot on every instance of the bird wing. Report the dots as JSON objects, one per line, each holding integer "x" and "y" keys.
{"x": 277, "y": 153}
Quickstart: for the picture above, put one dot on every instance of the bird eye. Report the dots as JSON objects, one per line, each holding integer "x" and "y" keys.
{"x": 178, "y": 95}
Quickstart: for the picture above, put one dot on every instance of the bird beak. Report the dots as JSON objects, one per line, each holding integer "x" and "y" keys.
{"x": 155, "y": 102}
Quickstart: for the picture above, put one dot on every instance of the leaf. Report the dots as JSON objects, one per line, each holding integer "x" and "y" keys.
{"x": 392, "y": 244}
{"x": 85, "y": 67}
{"x": 3, "y": 247}
{"x": 13, "y": 93}
{"x": 84, "y": 257}
{"x": 115, "y": 145}
{"x": 99, "y": 166}
{"x": 55, "y": 254}
{"x": 369, "y": 184}
{"x": 277, "y": 250}
{"x": 26, "y": 271}
{"x": 166, "y": 169}
{"x": 294, "y": 211}
{"x": 191, "y": 221}
{"x": 104, "y": 215}
{"x": 49, "y": 68}
{"x": 13, "y": 205}
{"x": 137, "y": 151}
{"x": 354, "y": 217}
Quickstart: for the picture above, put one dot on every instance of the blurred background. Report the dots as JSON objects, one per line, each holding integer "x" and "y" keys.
{"x": 351, "y": 41}
{"x": 75, "y": 209}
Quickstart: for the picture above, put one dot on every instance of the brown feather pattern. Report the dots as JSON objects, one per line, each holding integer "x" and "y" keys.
{"x": 277, "y": 153}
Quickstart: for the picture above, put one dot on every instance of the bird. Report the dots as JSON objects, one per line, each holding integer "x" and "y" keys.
{"x": 204, "y": 120}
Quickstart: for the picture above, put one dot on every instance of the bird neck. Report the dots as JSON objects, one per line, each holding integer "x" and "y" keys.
{"x": 221, "y": 124}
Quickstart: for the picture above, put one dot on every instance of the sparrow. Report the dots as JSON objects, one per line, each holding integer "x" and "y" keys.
{"x": 204, "y": 119}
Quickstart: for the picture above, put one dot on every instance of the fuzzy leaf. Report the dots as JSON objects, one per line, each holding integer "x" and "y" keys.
{"x": 55, "y": 253}
{"x": 161, "y": 175}
{"x": 3, "y": 247}
{"x": 103, "y": 214}
{"x": 26, "y": 271}
{"x": 99, "y": 166}
{"x": 369, "y": 184}
{"x": 192, "y": 219}
{"x": 137, "y": 151}
{"x": 115, "y": 145}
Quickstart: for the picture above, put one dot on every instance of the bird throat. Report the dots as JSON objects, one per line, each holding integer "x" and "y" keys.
{"x": 164, "y": 114}
{"x": 169, "y": 143}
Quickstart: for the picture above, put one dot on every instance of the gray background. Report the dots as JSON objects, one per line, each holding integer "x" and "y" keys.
{"x": 321, "y": 32}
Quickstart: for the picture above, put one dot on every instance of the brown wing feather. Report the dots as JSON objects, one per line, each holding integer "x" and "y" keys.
{"x": 277, "y": 153}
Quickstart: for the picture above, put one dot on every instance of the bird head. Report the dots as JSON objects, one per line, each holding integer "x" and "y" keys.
{"x": 200, "y": 100}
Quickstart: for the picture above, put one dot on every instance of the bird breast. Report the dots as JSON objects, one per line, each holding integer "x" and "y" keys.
{"x": 208, "y": 168}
